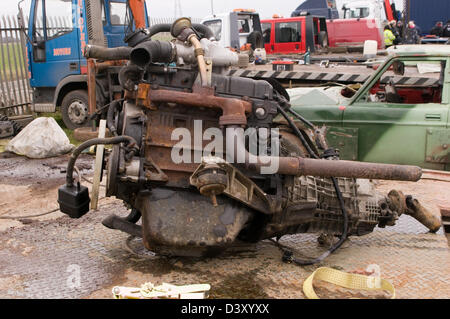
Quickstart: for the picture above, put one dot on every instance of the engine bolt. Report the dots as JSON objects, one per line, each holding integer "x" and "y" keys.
{"x": 260, "y": 112}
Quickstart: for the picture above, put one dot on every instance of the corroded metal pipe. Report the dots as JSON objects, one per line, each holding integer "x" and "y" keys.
{"x": 107, "y": 54}
{"x": 235, "y": 145}
{"x": 412, "y": 207}
{"x": 234, "y": 110}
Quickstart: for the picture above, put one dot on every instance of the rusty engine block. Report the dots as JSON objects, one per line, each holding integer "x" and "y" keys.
{"x": 202, "y": 205}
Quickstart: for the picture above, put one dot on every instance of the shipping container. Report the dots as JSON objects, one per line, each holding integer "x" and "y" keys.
{"x": 426, "y": 13}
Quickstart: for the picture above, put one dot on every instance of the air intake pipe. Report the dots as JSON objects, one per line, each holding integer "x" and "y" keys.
{"x": 152, "y": 51}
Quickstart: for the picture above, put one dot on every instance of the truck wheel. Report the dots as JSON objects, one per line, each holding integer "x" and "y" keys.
{"x": 256, "y": 40}
{"x": 323, "y": 39}
{"x": 75, "y": 109}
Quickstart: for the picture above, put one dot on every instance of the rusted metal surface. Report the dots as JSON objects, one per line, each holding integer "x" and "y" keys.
{"x": 234, "y": 110}
{"x": 159, "y": 143}
{"x": 174, "y": 222}
{"x": 92, "y": 85}
{"x": 412, "y": 207}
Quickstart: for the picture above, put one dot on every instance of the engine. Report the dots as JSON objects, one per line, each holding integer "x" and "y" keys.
{"x": 205, "y": 159}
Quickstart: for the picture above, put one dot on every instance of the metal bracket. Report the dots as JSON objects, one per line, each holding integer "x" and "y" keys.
{"x": 239, "y": 187}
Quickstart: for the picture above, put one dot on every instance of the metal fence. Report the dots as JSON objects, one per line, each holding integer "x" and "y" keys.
{"x": 15, "y": 92}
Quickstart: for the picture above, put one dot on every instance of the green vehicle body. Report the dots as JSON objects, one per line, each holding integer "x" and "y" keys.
{"x": 381, "y": 132}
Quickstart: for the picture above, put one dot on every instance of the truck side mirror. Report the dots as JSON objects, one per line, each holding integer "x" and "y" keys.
{"x": 398, "y": 68}
{"x": 40, "y": 44}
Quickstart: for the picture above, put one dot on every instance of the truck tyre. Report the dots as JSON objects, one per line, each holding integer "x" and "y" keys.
{"x": 75, "y": 109}
{"x": 323, "y": 39}
{"x": 16, "y": 126}
{"x": 256, "y": 40}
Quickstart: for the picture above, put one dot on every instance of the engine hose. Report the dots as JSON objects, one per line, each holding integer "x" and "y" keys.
{"x": 152, "y": 51}
{"x": 114, "y": 106}
{"x": 297, "y": 132}
{"x": 288, "y": 256}
{"x": 107, "y": 54}
{"x": 165, "y": 27}
{"x": 129, "y": 141}
{"x": 134, "y": 216}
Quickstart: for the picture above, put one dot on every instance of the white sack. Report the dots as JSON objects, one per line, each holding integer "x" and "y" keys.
{"x": 42, "y": 138}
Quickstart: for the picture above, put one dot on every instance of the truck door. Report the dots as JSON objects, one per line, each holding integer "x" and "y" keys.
{"x": 114, "y": 20}
{"x": 268, "y": 36}
{"x": 403, "y": 119}
{"x": 55, "y": 51}
{"x": 288, "y": 37}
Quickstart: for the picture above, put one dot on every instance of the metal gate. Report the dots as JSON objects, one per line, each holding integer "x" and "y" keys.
{"x": 15, "y": 92}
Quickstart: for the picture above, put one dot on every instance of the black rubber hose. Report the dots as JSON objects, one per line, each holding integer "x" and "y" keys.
{"x": 159, "y": 28}
{"x": 107, "y": 54}
{"x": 297, "y": 132}
{"x": 134, "y": 216}
{"x": 129, "y": 141}
{"x": 205, "y": 31}
{"x": 288, "y": 255}
{"x": 152, "y": 51}
{"x": 114, "y": 106}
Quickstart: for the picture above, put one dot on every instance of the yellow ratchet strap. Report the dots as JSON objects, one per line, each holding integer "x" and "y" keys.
{"x": 346, "y": 280}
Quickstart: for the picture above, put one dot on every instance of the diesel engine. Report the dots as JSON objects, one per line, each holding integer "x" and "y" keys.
{"x": 203, "y": 159}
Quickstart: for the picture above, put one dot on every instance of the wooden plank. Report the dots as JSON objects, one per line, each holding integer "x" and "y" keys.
{"x": 98, "y": 167}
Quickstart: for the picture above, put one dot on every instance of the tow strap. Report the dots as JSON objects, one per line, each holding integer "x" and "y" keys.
{"x": 346, "y": 280}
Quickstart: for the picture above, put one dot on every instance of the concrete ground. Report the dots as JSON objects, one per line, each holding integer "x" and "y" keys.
{"x": 39, "y": 257}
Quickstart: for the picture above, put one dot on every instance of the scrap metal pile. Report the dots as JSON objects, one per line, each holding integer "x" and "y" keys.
{"x": 291, "y": 183}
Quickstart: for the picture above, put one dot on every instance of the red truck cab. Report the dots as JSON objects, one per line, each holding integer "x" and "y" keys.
{"x": 308, "y": 33}
{"x": 294, "y": 35}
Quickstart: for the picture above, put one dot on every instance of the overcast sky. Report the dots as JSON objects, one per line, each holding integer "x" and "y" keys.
{"x": 202, "y": 8}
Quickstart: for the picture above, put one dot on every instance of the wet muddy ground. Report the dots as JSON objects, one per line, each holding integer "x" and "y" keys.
{"x": 40, "y": 256}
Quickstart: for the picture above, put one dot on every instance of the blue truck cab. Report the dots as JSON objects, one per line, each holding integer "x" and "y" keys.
{"x": 58, "y": 33}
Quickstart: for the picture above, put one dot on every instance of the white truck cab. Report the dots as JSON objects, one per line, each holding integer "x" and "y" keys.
{"x": 364, "y": 10}
{"x": 237, "y": 28}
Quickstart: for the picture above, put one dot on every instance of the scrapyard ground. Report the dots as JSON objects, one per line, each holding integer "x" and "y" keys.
{"x": 38, "y": 257}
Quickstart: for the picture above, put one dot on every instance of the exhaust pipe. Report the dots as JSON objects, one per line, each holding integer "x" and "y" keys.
{"x": 235, "y": 145}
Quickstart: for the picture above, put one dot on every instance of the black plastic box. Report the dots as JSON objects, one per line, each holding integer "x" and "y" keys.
{"x": 74, "y": 201}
